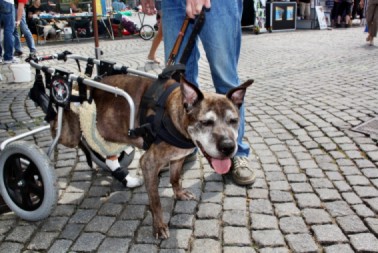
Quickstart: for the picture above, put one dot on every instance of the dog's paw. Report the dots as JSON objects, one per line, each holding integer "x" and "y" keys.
{"x": 184, "y": 195}
{"x": 161, "y": 231}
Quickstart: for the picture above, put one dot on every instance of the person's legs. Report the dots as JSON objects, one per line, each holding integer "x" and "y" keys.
{"x": 16, "y": 39}
{"x": 173, "y": 18}
{"x": 308, "y": 11}
{"x": 27, "y": 34}
{"x": 302, "y": 7}
{"x": 7, "y": 18}
{"x": 155, "y": 44}
{"x": 372, "y": 18}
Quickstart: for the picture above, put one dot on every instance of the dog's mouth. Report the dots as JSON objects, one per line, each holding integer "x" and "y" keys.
{"x": 221, "y": 166}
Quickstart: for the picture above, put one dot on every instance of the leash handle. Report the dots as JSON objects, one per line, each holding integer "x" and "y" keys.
{"x": 176, "y": 47}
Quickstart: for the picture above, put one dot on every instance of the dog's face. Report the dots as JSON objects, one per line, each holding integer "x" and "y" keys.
{"x": 213, "y": 122}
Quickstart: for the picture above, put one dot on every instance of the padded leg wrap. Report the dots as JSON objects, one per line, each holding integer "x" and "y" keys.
{"x": 120, "y": 175}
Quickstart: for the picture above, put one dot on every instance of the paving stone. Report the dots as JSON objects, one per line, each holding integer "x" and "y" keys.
{"x": 321, "y": 183}
{"x": 231, "y": 249}
{"x": 123, "y": 228}
{"x": 281, "y": 196}
{"x": 372, "y": 223}
{"x": 328, "y": 194}
{"x": 42, "y": 240}
{"x": 182, "y": 221}
{"x": 145, "y": 235}
{"x": 185, "y": 206}
{"x": 179, "y": 239}
{"x": 268, "y": 238}
{"x": 338, "y": 208}
{"x": 71, "y": 231}
{"x": 91, "y": 203}
{"x": 100, "y": 224}
{"x": 60, "y": 246}
{"x": 366, "y": 191}
{"x": 258, "y": 193}
{"x": 301, "y": 243}
{"x": 83, "y": 216}
{"x": 207, "y": 229}
{"x": 206, "y": 245}
{"x": 316, "y": 216}
{"x": 345, "y": 248}
{"x": 351, "y": 198}
{"x": 110, "y": 209}
{"x": 209, "y": 210}
{"x": 373, "y": 204}
{"x": 234, "y": 203}
{"x": 11, "y": 247}
{"x": 143, "y": 248}
{"x": 327, "y": 234}
{"x": 342, "y": 186}
{"x": 235, "y": 218}
{"x": 235, "y": 190}
{"x": 293, "y": 225}
{"x": 301, "y": 188}
{"x": 54, "y": 224}
{"x": 88, "y": 242}
{"x": 133, "y": 212}
{"x": 286, "y": 209}
{"x": 357, "y": 180}
{"x": 297, "y": 177}
{"x": 364, "y": 242}
{"x": 114, "y": 245}
{"x": 263, "y": 222}
{"x": 363, "y": 211}
{"x": 73, "y": 198}
{"x": 260, "y": 206}
{"x": 351, "y": 224}
{"x": 274, "y": 250}
{"x": 212, "y": 197}
{"x": 21, "y": 234}
{"x": 371, "y": 172}
{"x": 237, "y": 236}
{"x": 308, "y": 200}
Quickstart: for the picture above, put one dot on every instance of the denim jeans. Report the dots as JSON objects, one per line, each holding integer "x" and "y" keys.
{"x": 221, "y": 40}
{"x": 7, "y": 19}
{"x": 28, "y": 35}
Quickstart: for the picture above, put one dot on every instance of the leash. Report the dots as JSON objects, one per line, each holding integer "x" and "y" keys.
{"x": 191, "y": 42}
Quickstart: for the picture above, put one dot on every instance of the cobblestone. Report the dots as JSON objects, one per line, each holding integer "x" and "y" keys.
{"x": 317, "y": 181}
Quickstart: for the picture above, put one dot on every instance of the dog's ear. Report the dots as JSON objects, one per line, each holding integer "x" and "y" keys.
{"x": 190, "y": 94}
{"x": 236, "y": 95}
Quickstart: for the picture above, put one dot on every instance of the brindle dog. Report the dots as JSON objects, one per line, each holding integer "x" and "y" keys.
{"x": 208, "y": 119}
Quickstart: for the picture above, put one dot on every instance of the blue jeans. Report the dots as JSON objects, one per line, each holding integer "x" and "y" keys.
{"x": 221, "y": 40}
{"x": 7, "y": 19}
{"x": 28, "y": 35}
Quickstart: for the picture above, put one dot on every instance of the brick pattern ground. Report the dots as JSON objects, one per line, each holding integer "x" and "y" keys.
{"x": 317, "y": 181}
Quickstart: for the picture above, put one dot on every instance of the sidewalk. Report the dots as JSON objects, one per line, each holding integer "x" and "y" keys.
{"x": 317, "y": 185}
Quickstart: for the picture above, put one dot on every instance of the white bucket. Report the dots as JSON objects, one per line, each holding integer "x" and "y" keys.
{"x": 21, "y": 72}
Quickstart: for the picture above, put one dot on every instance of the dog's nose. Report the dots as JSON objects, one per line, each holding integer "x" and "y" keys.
{"x": 227, "y": 147}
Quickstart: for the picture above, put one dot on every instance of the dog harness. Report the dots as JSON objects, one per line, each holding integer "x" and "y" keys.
{"x": 159, "y": 127}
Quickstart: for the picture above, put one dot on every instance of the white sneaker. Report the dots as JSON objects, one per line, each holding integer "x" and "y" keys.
{"x": 1, "y": 60}
{"x": 14, "y": 60}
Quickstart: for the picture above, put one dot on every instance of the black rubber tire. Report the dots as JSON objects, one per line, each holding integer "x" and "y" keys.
{"x": 146, "y": 32}
{"x": 27, "y": 181}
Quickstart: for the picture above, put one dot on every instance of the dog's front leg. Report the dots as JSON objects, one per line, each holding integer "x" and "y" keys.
{"x": 150, "y": 168}
{"x": 175, "y": 172}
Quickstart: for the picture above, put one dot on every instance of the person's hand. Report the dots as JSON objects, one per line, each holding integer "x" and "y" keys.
{"x": 194, "y": 7}
{"x": 148, "y": 7}
{"x": 18, "y": 23}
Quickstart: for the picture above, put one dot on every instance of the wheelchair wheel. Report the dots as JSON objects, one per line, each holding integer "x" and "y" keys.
{"x": 27, "y": 181}
{"x": 146, "y": 32}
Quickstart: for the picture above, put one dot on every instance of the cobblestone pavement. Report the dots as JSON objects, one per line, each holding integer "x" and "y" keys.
{"x": 317, "y": 181}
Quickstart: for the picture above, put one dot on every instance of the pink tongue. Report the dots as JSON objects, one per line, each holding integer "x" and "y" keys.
{"x": 221, "y": 166}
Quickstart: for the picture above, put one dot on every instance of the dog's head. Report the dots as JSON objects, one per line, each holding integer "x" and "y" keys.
{"x": 213, "y": 122}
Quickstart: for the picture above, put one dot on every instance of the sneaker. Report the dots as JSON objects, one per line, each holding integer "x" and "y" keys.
{"x": 17, "y": 53}
{"x": 241, "y": 173}
{"x": 1, "y": 60}
{"x": 14, "y": 60}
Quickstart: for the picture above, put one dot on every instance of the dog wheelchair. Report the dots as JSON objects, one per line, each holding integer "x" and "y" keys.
{"x": 27, "y": 177}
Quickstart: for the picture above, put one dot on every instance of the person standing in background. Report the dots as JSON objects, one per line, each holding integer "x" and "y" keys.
{"x": 158, "y": 37}
{"x": 25, "y": 31}
{"x": 7, "y": 19}
{"x": 372, "y": 20}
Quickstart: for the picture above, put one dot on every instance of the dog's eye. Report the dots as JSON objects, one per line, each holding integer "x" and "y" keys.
{"x": 207, "y": 123}
{"x": 233, "y": 121}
